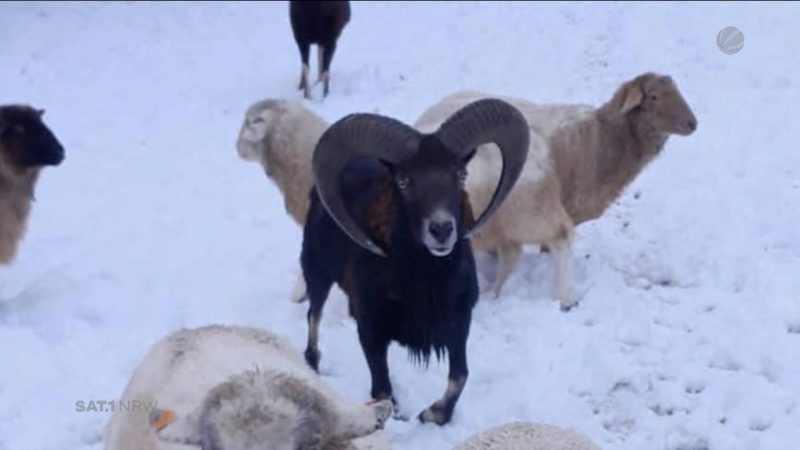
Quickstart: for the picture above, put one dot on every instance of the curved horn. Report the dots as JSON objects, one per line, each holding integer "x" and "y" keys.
{"x": 490, "y": 121}
{"x": 357, "y": 135}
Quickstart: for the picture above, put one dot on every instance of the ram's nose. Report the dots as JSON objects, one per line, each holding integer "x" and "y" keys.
{"x": 441, "y": 230}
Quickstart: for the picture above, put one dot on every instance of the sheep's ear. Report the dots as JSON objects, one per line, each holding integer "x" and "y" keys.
{"x": 40, "y": 112}
{"x": 170, "y": 427}
{"x": 633, "y": 97}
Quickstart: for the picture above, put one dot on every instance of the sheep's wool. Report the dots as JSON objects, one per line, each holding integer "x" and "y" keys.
{"x": 527, "y": 436}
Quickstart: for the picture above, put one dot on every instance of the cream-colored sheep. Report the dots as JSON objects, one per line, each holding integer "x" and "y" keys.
{"x": 236, "y": 388}
{"x": 281, "y": 136}
{"x": 580, "y": 159}
{"x": 26, "y": 146}
{"x": 527, "y": 436}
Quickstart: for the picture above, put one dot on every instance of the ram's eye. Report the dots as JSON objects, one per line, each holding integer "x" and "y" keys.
{"x": 402, "y": 182}
{"x": 18, "y": 129}
{"x": 654, "y": 97}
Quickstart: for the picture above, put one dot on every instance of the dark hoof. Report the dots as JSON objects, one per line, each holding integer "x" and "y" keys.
{"x": 568, "y": 308}
{"x": 312, "y": 358}
{"x": 436, "y": 413}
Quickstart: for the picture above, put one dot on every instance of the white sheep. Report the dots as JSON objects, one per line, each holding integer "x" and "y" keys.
{"x": 236, "y": 388}
{"x": 527, "y": 436}
{"x": 580, "y": 159}
{"x": 281, "y": 136}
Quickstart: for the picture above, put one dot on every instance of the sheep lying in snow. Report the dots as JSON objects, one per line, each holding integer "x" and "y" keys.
{"x": 236, "y": 388}
{"x": 527, "y": 436}
{"x": 281, "y": 136}
{"x": 580, "y": 159}
{"x": 26, "y": 146}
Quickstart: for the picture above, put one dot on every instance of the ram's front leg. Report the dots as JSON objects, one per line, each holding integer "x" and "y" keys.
{"x": 441, "y": 411}
{"x": 375, "y": 349}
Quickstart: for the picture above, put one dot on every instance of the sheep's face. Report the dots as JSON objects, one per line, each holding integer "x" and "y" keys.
{"x": 663, "y": 107}
{"x": 430, "y": 185}
{"x": 25, "y": 141}
{"x": 257, "y": 124}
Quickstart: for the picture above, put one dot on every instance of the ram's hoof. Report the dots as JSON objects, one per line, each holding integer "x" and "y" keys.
{"x": 434, "y": 414}
{"x": 312, "y": 358}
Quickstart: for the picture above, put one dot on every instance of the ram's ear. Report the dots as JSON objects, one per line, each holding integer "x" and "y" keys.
{"x": 40, "y": 112}
{"x": 171, "y": 427}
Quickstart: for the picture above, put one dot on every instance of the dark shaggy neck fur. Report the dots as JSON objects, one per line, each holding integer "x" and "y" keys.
{"x": 421, "y": 286}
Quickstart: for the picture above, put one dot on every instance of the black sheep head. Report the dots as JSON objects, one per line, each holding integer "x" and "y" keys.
{"x": 428, "y": 169}
{"x": 25, "y": 141}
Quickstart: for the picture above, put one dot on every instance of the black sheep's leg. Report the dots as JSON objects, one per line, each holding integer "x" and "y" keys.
{"x": 441, "y": 411}
{"x": 327, "y": 57}
{"x": 304, "y": 51}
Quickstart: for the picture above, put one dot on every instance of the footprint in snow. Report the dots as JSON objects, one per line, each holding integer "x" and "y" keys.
{"x": 695, "y": 387}
{"x": 725, "y": 361}
{"x": 759, "y": 424}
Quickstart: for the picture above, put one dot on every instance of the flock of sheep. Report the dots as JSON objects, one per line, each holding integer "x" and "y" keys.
{"x": 535, "y": 172}
{"x": 391, "y": 214}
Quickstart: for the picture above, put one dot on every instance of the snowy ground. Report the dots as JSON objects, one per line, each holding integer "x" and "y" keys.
{"x": 688, "y": 333}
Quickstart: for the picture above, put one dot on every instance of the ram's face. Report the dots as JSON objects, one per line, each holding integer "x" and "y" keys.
{"x": 26, "y": 141}
{"x": 430, "y": 184}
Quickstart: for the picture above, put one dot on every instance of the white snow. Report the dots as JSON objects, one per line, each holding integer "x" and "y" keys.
{"x": 688, "y": 332}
